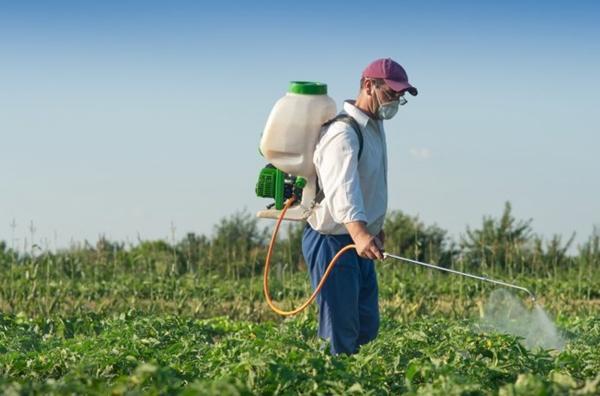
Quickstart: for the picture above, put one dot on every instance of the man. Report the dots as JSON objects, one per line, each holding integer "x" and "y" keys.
{"x": 353, "y": 208}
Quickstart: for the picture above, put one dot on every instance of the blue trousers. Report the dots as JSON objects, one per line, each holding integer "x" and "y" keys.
{"x": 348, "y": 302}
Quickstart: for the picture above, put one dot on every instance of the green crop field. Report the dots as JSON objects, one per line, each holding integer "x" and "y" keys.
{"x": 188, "y": 317}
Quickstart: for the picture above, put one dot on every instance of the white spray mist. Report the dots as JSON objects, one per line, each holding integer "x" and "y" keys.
{"x": 506, "y": 314}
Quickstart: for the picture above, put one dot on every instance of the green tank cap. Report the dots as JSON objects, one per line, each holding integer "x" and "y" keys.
{"x": 300, "y": 182}
{"x": 307, "y": 88}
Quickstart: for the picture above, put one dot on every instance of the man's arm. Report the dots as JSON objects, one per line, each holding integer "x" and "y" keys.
{"x": 336, "y": 158}
{"x": 367, "y": 245}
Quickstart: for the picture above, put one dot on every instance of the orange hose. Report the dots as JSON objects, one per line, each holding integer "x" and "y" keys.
{"x": 268, "y": 265}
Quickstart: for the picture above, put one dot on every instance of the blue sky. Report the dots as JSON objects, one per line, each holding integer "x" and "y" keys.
{"x": 122, "y": 118}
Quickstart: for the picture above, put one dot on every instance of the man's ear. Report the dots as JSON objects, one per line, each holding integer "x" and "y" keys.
{"x": 369, "y": 87}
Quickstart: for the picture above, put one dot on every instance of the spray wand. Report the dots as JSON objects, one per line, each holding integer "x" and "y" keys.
{"x": 481, "y": 278}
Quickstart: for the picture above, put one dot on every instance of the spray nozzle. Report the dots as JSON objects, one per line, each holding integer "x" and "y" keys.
{"x": 532, "y": 298}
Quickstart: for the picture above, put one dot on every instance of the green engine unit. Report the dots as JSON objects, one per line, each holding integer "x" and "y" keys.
{"x": 276, "y": 184}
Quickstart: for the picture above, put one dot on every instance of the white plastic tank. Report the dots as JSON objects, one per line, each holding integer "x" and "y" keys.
{"x": 290, "y": 136}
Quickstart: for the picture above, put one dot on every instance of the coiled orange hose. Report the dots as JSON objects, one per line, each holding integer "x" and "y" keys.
{"x": 268, "y": 265}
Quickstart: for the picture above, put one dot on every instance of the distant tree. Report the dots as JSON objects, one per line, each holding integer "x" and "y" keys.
{"x": 239, "y": 233}
{"x": 554, "y": 254}
{"x": 408, "y": 236}
{"x": 193, "y": 249}
{"x": 235, "y": 243}
{"x": 491, "y": 244}
{"x": 108, "y": 248}
{"x": 3, "y": 252}
{"x": 7, "y": 255}
{"x": 157, "y": 255}
{"x": 589, "y": 252}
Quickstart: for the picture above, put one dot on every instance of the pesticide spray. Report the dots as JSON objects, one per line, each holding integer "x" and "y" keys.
{"x": 504, "y": 313}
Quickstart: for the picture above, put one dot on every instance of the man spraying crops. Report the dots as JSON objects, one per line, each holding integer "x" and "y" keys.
{"x": 351, "y": 163}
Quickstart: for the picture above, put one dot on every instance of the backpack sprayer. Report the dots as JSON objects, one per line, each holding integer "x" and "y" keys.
{"x": 288, "y": 143}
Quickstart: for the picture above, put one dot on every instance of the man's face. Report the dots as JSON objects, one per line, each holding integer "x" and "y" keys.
{"x": 380, "y": 94}
{"x": 388, "y": 94}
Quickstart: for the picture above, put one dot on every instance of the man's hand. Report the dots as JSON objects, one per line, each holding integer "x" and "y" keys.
{"x": 381, "y": 237}
{"x": 367, "y": 245}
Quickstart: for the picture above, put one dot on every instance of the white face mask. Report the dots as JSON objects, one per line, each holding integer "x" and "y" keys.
{"x": 388, "y": 110}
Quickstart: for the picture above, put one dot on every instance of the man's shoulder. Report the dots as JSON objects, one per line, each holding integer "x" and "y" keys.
{"x": 338, "y": 129}
{"x": 340, "y": 124}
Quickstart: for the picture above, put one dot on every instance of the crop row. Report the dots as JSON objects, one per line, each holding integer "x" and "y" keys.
{"x": 133, "y": 353}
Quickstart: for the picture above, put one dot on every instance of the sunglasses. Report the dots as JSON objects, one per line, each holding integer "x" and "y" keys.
{"x": 392, "y": 95}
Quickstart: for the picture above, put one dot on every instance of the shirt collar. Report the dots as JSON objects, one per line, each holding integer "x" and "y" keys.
{"x": 356, "y": 113}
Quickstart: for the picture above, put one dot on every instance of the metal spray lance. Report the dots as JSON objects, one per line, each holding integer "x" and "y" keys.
{"x": 481, "y": 278}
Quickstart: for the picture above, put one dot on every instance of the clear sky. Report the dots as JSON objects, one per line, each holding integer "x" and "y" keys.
{"x": 122, "y": 118}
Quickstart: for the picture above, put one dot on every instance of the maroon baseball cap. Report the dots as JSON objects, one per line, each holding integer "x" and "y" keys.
{"x": 392, "y": 73}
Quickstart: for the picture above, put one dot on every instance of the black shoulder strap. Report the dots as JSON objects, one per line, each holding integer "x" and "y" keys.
{"x": 348, "y": 119}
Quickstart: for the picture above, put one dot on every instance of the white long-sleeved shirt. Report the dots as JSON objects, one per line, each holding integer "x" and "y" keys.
{"x": 354, "y": 190}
